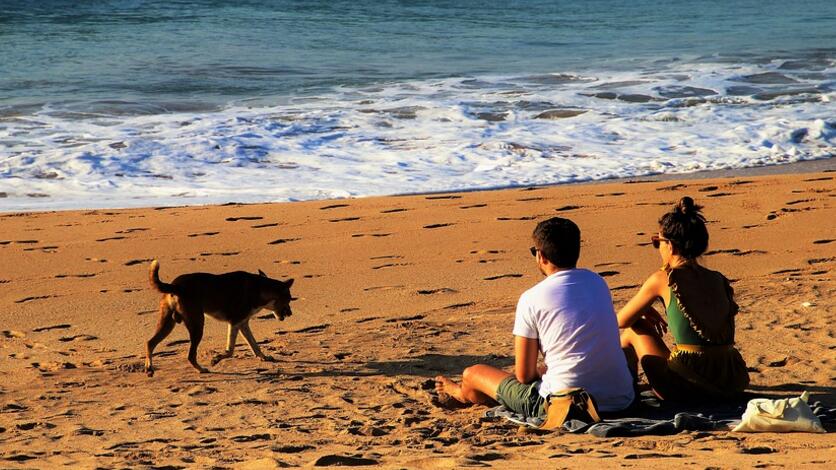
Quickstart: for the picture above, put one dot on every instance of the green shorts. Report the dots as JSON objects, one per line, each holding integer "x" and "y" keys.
{"x": 521, "y": 398}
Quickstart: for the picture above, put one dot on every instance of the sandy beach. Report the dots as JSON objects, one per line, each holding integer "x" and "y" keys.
{"x": 391, "y": 292}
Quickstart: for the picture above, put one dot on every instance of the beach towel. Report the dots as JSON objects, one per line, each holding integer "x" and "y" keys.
{"x": 652, "y": 417}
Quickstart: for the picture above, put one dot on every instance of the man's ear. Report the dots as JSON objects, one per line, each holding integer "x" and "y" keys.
{"x": 261, "y": 273}
{"x": 288, "y": 282}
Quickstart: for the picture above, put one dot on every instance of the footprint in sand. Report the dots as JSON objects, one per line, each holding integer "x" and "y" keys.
{"x": 283, "y": 240}
{"x": 825, "y": 178}
{"x": 349, "y": 309}
{"x": 567, "y": 208}
{"x": 312, "y": 329}
{"x": 486, "y": 252}
{"x": 608, "y": 273}
{"x": 473, "y": 206}
{"x": 273, "y": 224}
{"x": 344, "y": 219}
{"x": 106, "y": 239}
{"x": 609, "y": 194}
{"x": 530, "y": 199}
{"x": 719, "y": 194}
{"x": 203, "y": 234}
{"x": 735, "y": 252}
{"x": 707, "y": 189}
{"x": 404, "y": 319}
{"x": 132, "y": 230}
{"x": 368, "y": 289}
{"x": 392, "y": 211}
{"x": 53, "y": 366}
{"x": 824, "y": 242}
{"x": 236, "y": 219}
{"x": 387, "y": 257}
{"x": 221, "y": 253}
{"x": 443, "y": 196}
{"x": 821, "y": 260}
{"x": 62, "y": 326}
{"x": 438, "y": 225}
{"x": 45, "y": 249}
{"x": 65, "y": 339}
{"x": 138, "y": 261}
{"x": 502, "y": 276}
{"x": 36, "y": 297}
{"x": 333, "y": 206}
{"x": 440, "y": 290}
{"x": 390, "y": 265}
{"x": 83, "y": 275}
{"x": 12, "y": 334}
{"x": 528, "y": 217}
{"x": 378, "y": 235}
{"x": 675, "y": 187}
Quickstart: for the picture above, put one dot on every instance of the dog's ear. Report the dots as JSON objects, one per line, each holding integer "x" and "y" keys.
{"x": 288, "y": 282}
{"x": 261, "y": 273}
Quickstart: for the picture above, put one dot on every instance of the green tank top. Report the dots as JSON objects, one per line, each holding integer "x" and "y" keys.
{"x": 680, "y": 327}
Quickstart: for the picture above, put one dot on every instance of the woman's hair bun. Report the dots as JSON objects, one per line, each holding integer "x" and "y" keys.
{"x": 686, "y": 206}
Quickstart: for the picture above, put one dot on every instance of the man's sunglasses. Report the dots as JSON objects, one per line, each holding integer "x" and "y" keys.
{"x": 656, "y": 240}
{"x": 533, "y": 250}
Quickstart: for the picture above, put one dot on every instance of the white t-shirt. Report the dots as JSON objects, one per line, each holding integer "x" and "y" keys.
{"x": 571, "y": 313}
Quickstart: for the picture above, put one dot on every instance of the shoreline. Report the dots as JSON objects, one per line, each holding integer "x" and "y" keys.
{"x": 824, "y": 165}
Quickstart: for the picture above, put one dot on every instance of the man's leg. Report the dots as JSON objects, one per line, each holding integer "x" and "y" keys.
{"x": 479, "y": 384}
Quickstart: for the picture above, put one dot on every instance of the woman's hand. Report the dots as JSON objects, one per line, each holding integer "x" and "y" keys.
{"x": 655, "y": 321}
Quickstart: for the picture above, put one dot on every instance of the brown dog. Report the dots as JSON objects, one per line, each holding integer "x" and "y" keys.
{"x": 231, "y": 297}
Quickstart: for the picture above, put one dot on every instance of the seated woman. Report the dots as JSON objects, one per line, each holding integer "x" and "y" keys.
{"x": 700, "y": 310}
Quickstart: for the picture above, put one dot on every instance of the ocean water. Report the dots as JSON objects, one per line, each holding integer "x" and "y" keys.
{"x": 146, "y": 103}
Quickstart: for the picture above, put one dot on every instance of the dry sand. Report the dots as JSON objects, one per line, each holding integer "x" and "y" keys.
{"x": 392, "y": 291}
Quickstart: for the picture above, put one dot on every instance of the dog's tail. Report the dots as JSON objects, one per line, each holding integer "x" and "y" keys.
{"x": 154, "y": 276}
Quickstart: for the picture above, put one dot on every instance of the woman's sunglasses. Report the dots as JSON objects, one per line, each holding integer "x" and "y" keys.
{"x": 656, "y": 240}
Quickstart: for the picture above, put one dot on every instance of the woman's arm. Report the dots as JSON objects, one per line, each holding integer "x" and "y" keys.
{"x": 641, "y": 305}
{"x": 526, "y": 351}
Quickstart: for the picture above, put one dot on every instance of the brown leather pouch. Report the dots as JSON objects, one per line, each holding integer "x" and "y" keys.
{"x": 571, "y": 403}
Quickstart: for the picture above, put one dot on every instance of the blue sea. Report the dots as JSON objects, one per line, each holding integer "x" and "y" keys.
{"x": 146, "y": 103}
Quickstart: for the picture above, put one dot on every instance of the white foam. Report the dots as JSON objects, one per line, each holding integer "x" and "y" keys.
{"x": 412, "y": 137}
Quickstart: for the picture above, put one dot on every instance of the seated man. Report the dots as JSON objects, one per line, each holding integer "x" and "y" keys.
{"x": 568, "y": 316}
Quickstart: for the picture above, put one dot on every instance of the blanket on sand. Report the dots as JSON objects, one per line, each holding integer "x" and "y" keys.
{"x": 653, "y": 417}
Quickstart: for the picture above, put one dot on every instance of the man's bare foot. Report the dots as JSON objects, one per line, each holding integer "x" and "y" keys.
{"x": 449, "y": 393}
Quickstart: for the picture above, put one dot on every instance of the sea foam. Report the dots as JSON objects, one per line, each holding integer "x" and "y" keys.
{"x": 420, "y": 136}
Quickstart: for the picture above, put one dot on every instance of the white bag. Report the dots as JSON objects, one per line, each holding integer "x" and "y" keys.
{"x": 785, "y": 415}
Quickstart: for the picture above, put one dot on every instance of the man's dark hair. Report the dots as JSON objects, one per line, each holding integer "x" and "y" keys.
{"x": 559, "y": 241}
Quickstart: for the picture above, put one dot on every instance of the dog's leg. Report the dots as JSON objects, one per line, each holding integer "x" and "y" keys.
{"x": 248, "y": 335}
{"x": 231, "y": 336}
{"x": 164, "y": 326}
{"x": 194, "y": 322}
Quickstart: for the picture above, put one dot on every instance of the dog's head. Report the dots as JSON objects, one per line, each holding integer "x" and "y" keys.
{"x": 276, "y": 295}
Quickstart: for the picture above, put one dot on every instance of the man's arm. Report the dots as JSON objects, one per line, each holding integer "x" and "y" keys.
{"x": 526, "y": 351}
